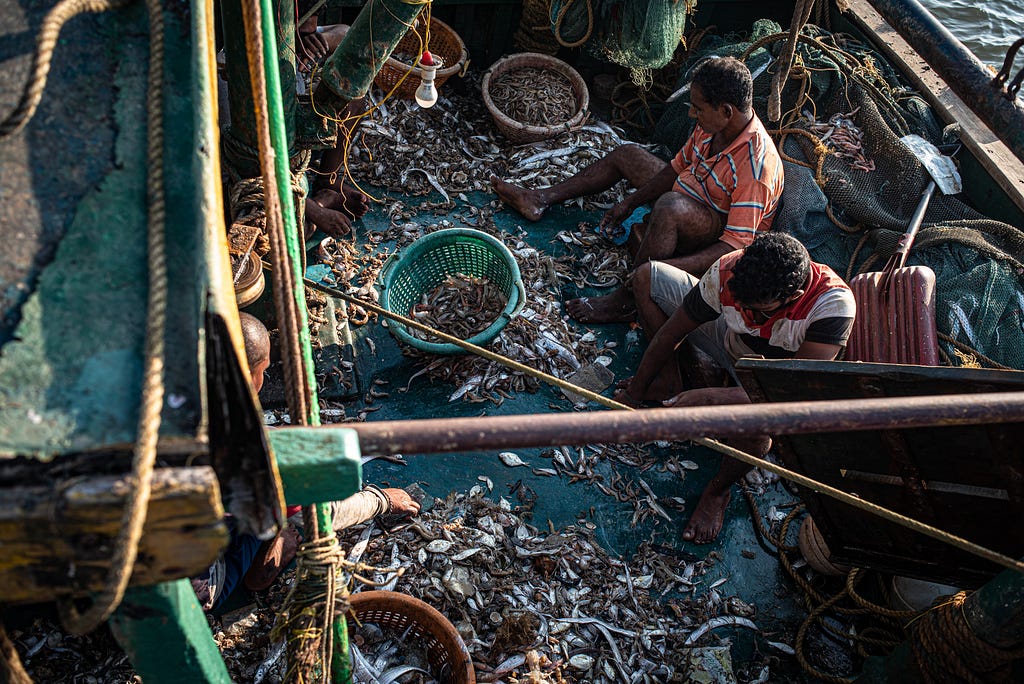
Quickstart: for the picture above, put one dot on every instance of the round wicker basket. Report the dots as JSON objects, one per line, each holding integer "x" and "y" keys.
{"x": 445, "y": 44}
{"x": 517, "y": 131}
{"x": 449, "y": 659}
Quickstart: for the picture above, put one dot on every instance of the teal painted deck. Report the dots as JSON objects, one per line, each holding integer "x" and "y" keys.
{"x": 752, "y": 570}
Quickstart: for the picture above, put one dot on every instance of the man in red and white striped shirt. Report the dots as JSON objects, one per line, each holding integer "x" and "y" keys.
{"x": 767, "y": 300}
{"x": 720, "y": 190}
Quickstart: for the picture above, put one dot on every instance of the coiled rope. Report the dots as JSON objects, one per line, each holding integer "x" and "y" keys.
{"x": 45, "y": 43}
{"x": 144, "y": 453}
{"x": 946, "y": 649}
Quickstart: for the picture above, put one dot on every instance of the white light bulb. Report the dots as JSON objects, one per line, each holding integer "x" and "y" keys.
{"x": 426, "y": 94}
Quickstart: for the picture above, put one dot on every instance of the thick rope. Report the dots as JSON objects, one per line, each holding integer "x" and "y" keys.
{"x": 969, "y": 350}
{"x": 316, "y": 597}
{"x": 557, "y": 28}
{"x": 534, "y": 32}
{"x": 144, "y": 454}
{"x": 946, "y": 649}
{"x": 11, "y": 669}
{"x": 45, "y": 43}
{"x": 721, "y": 448}
{"x": 801, "y": 13}
{"x": 296, "y": 388}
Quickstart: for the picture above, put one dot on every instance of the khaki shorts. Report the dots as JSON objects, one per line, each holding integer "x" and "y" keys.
{"x": 669, "y": 286}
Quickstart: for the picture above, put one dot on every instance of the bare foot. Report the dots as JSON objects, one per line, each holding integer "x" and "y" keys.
{"x": 355, "y": 201}
{"x": 520, "y": 199}
{"x": 334, "y": 223}
{"x": 708, "y": 518}
{"x": 616, "y": 307}
{"x": 349, "y": 201}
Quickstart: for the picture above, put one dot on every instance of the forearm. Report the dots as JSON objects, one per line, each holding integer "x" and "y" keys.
{"x": 358, "y": 508}
{"x": 660, "y": 352}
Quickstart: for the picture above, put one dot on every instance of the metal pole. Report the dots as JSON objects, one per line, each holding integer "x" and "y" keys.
{"x": 349, "y": 72}
{"x": 616, "y": 427}
{"x": 965, "y": 74}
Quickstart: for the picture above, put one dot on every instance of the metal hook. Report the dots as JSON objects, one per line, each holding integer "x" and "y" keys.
{"x": 1011, "y": 90}
{"x": 1000, "y": 78}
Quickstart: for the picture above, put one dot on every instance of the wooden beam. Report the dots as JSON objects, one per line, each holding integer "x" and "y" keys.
{"x": 59, "y": 539}
{"x": 1005, "y": 168}
{"x": 317, "y": 464}
{"x": 163, "y": 631}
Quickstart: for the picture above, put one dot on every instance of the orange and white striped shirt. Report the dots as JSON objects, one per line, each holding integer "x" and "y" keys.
{"x": 743, "y": 182}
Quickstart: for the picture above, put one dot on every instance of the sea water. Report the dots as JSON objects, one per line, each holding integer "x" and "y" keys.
{"x": 987, "y": 27}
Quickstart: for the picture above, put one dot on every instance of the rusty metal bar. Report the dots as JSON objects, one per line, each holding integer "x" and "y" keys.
{"x": 446, "y": 435}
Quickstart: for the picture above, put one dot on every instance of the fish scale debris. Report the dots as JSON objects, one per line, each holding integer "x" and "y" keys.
{"x": 555, "y": 599}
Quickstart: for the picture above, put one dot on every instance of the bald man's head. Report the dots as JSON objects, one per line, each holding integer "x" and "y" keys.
{"x": 257, "y": 347}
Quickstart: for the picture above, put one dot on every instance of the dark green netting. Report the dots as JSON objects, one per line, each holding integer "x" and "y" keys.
{"x": 851, "y": 214}
{"x": 637, "y": 34}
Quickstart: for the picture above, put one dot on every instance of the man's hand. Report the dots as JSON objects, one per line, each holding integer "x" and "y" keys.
{"x": 623, "y": 396}
{"x": 401, "y": 502}
{"x": 614, "y": 217}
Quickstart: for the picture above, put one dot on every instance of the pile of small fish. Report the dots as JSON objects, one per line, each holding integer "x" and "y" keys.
{"x": 538, "y": 337}
{"x": 553, "y": 602}
{"x": 453, "y": 148}
{"x": 534, "y": 96}
{"x": 382, "y": 654}
{"x": 461, "y": 305}
{"x": 844, "y": 138}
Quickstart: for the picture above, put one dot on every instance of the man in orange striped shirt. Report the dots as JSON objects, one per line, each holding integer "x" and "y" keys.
{"x": 720, "y": 190}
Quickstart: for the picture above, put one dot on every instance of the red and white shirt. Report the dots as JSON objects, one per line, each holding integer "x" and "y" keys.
{"x": 823, "y": 314}
{"x": 743, "y": 182}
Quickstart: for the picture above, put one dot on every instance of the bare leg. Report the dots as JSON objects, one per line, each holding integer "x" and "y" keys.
{"x": 332, "y": 161}
{"x": 708, "y": 517}
{"x": 649, "y": 312}
{"x": 630, "y": 162}
{"x": 678, "y": 225}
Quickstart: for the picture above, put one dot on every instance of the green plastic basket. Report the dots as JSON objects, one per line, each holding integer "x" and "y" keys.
{"x": 434, "y": 257}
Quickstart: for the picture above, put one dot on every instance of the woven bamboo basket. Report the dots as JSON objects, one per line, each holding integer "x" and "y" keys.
{"x": 449, "y": 658}
{"x": 519, "y": 132}
{"x": 445, "y": 44}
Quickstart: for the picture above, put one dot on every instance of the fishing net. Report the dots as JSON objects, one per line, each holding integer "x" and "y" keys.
{"x": 637, "y": 35}
{"x": 852, "y": 185}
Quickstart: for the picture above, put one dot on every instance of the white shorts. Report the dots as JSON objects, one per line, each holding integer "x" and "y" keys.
{"x": 669, "y": 286}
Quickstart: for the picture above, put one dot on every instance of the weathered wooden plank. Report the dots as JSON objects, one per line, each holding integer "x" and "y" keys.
{"x": 166, "y": 636}
{"x": 60, "y": 539}
{"x": 317, "y": 464}
{"x": 993, "y": 155}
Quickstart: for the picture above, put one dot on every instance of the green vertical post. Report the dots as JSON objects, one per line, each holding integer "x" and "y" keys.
{"x": 243, "y": 113}
{"x": 164, "y": 632}
{"x": 349, "y": 72}
{"x": 341, "y": 669}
